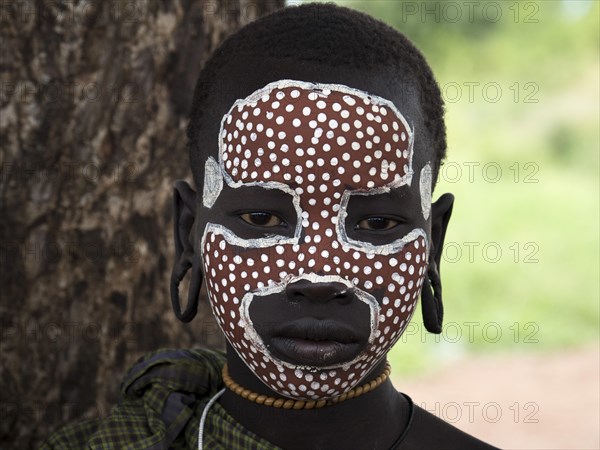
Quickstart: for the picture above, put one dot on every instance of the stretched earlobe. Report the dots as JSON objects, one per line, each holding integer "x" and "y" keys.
{"x": 184, "y": 212}
{"x": 431, "y": 303}
{"x": 431, "y": 294}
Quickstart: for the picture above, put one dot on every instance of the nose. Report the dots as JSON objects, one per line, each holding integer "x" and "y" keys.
{"x": 305, "y": 290}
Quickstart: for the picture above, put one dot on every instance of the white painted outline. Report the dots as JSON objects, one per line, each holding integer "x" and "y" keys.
{"x": 246, "y": 324}
{"x": 425, "y": 186}
{"x": 234, "y": 239}
{"x": 383, "y": 249}
{"x": 213, "y": 182}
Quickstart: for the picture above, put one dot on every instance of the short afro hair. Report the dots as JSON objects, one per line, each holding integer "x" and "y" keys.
{"x": 331, "y": 35}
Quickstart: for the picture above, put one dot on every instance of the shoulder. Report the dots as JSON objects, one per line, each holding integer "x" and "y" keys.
{"x": 426, "y": 431}
{"x": 155, "y": 381}
{"x": 191, "y": 370}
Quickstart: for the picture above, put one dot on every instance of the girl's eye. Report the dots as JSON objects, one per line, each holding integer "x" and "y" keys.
{"x": 261, "y": 219}
{"x": 376, "y": 224}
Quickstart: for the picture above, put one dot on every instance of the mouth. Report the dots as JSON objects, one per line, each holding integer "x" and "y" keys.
{"x": 315, "y": 343}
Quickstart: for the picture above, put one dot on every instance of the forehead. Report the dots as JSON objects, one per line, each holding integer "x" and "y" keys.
{"x": 289, "y": 129}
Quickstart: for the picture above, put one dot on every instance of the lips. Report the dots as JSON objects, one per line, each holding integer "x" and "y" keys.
{"x": 315, "y": 342}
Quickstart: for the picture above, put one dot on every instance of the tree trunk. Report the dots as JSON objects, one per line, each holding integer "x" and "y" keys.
{"x": 93, "y": 108}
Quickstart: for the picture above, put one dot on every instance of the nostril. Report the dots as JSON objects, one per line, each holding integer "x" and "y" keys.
{"x": 294, "y": 292}
{"x": 345, "y": 292}
{"x": 295, "y": 296}
{"x": 345, "y": 296}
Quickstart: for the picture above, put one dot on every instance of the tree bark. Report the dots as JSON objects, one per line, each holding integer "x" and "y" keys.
{"x": 93, "y": 108}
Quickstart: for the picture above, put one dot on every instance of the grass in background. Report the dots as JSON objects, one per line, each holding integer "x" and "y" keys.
{"x": 541, "y": 212}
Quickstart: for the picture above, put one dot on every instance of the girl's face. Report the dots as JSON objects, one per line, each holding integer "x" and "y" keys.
{"x": 318, "y": 239}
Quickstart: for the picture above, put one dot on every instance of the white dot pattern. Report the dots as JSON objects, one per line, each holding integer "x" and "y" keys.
{"x": 337, "y": 131}
{"x": 378, "y": 156}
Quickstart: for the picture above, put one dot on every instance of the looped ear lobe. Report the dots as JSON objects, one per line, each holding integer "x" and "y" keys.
{"x": 185, "y": 257}
{"x": 431, "y": 302}
{"x": 179, "y": 271}
{"x": 431, "y": 293}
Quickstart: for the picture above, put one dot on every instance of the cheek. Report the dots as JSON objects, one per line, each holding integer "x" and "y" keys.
{"x": 403, "y": 282}
{"x": 231, "y": 272}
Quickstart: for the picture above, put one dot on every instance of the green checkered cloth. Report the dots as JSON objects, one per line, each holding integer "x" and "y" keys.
{"x": 161, "y": 401}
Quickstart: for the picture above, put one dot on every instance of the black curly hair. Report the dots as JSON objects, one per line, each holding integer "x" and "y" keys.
{"x": 327, "y": 34}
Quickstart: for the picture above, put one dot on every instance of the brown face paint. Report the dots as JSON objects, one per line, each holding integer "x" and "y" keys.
{"x": 321, "y": 144}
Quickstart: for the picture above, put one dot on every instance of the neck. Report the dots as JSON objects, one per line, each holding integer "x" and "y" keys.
{"x": 374, "y": 420}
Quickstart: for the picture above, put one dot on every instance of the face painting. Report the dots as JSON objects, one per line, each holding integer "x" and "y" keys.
{"x": 320, "y": 147}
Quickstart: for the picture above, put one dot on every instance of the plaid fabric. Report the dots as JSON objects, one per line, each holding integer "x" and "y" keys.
{"x": 161, "y": 401}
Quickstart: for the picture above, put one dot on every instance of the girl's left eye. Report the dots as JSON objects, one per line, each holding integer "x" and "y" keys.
{"x": 261, "y": 219}
{"x": 376, "y": 224}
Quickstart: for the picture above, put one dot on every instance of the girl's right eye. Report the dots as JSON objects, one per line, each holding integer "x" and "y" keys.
{"x": 376, "y": 224}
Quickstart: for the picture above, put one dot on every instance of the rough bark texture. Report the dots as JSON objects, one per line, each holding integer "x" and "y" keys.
{"x": 93, "y": 109}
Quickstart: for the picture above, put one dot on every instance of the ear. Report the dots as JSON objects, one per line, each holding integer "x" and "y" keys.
{"x": 184, "y": 215}
{"x": 431, "y": 302}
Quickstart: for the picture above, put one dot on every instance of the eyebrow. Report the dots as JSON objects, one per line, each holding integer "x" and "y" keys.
{"x": 380, "y": 200}
{"x": 396, "y": 193}
{"x": 243, "y": 195}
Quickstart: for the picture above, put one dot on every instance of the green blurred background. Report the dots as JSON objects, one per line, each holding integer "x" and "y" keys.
{"x": 521, "y": 85}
